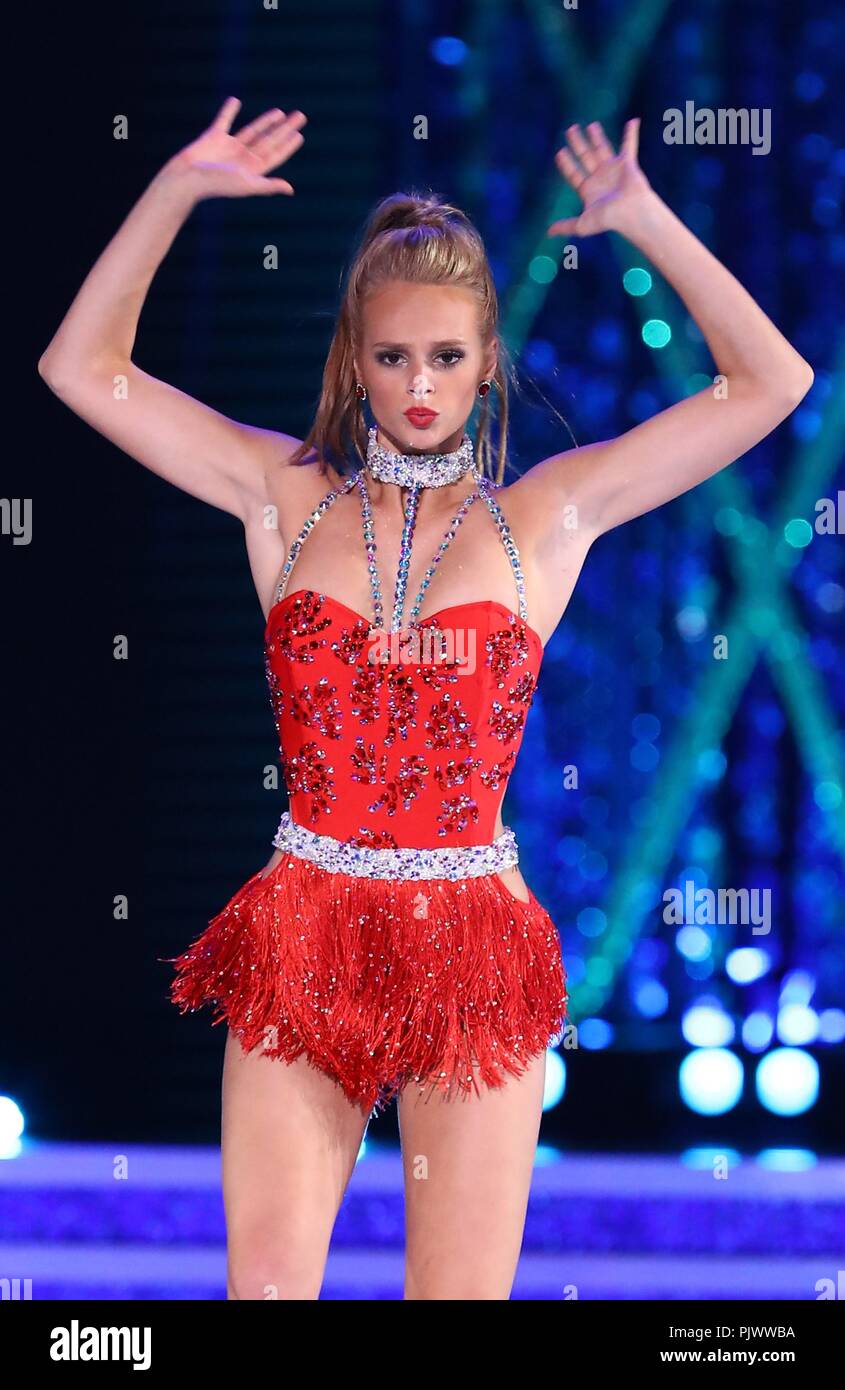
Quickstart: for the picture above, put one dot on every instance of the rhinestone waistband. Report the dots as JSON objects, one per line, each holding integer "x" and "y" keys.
{"x": 444, "y": 861}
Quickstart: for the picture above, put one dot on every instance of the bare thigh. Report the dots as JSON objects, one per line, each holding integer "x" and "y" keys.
{"x": 290, "y": 1139}
{"x": 468, "y": 1163}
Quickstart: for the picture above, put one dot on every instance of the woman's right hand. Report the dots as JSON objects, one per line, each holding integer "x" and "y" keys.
{"x": 221, "y": 165}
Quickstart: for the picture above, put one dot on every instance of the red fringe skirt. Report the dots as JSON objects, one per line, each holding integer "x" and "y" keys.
{"x": 381, "y": 982}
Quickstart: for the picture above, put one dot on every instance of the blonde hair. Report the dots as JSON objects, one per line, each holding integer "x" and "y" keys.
{"x": 416, "y": 237}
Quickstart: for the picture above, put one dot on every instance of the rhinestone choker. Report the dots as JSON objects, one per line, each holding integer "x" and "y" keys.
{"x": 418, "y": 470}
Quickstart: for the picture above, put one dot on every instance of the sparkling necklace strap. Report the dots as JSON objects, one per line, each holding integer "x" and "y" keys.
{"x": 307, "y": 527}
{"x": 443, "y": 547}
{"x": 404, "y": 553}
{"x": 370, "y": 545}
{"x": 507, "y": 541}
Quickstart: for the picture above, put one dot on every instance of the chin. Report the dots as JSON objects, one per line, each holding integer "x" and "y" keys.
{"x": 424, "y": 440}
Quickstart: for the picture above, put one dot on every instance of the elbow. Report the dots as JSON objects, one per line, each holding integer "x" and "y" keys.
{"x": 800, "y": 384}
{"x": 47, "y": 368}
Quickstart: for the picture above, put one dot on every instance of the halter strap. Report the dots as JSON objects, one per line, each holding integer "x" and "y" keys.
{"x": 485, "y": 488}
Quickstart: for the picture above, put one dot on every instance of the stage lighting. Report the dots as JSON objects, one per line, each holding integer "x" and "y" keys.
{"x": 711, "y": 1080}
{"x": 787, "y": 1081}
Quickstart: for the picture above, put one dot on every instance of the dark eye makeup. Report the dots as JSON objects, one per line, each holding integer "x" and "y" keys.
{"x": 445, "y": 352}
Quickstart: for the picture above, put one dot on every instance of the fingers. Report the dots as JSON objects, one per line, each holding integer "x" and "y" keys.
{"x": 569, "y": 168}
{"x": 226, "y": 114}
{"x": 260, "y": 126}
{"x": 631, "y": 138}
{"x": 565, "y": 227}
{"x": 592, "y": 153}
{"x": 601, "y": 144}
{"x": 587, "y": 156}
{"x": 275, "y": 186}
{"x": 281, "y": 141}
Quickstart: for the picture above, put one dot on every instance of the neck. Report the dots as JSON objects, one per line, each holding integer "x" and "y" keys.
{"x": 390, "y": 497}
{"x": 425, "y": 449}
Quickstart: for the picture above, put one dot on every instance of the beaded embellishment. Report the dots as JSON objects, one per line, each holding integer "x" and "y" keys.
{"x": 362, "y": 861}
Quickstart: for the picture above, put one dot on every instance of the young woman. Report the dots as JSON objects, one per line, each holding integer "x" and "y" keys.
{"x": 390, "y": 946}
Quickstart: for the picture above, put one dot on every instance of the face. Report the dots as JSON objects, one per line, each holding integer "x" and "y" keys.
{"x": 421, "y": 349}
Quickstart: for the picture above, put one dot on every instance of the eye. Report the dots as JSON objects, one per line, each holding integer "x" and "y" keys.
{"x": 446, "y": 352}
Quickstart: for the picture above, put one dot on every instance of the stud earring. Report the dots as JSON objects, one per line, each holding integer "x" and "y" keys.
{"x": 360, "y": 391}
{"x": 484, "y": 387}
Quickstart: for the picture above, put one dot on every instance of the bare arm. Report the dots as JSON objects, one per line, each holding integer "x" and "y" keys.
{"x": 88, "y": 364}
{"x": 761, "y": 377}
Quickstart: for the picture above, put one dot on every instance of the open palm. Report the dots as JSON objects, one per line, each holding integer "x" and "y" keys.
{"x": 230, "y": 165}
{"x": 607, "y": 183}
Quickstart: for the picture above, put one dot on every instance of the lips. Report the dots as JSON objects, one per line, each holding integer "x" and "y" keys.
{"x": 418, "y": 416}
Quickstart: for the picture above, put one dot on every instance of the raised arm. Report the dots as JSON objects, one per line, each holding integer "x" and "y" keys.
{"x": 88, "y": 364}
{"x": 761, "y": 378}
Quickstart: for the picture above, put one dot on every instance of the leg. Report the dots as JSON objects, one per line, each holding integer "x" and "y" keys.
{"x": 468, "y": 1162}
{"x": 290, "y": 1139}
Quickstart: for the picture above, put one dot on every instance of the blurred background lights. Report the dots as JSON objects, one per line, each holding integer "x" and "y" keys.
{"x": 698, "y": 381}
{"x": 711, "y": 764}
{"x": 797, "y": 1024}
{"x": 595, "y": 1034}
{"x": 651, "y": 998}
{"x": 787, "y": 1160}
{"x": 542, "y": 269}
{"x": 637, "y": 281}
{"x": 728, "y": 521}
{"x": 832, "y": 1025}
{"x": 710, "y": 1080}
{"x": 747, "y": 963}
{"x": 758, "y": 1029}
{"x": 787, "y": 1081}
{"x": 704, "y": 1158}
{"x": 591, "y": 921}
{"x": 644, "y": 756}
{"x": 691, "y": 621}
{"x": 798, "y": 532}
{"x": 707, "y": 1025}
{"x": 693, "y": 942}
{"x": 448, "y": 51}
{"x": 656, "y": 333}
{"x": 797, "y": 987}
{"x": 11, "y": 1127}
{"x": 830, "y": 597}
{"x": 555, "y": 1085}
{"x": 808, "y": 86}
{"x": 645, "y": 726}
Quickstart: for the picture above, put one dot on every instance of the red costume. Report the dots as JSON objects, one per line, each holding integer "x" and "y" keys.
{"x": 383, "y": 945}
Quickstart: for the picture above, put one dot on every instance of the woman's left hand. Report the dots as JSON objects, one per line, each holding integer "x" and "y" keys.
{"x": 610, "y": 185}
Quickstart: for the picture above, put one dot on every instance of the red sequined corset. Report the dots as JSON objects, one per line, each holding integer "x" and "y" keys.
{"x": 400, "y": 753}
{"x": 413, "y": 749}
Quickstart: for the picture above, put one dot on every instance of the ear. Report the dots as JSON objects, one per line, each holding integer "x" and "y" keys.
{"x": 491, "y": 360}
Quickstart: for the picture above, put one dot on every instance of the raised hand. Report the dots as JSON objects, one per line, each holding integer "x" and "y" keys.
{"x": 608, "y": 184}
{"x": 226, "y": 165}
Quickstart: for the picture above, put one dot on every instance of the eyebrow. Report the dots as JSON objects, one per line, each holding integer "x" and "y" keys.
{"x": 442, "y": 342}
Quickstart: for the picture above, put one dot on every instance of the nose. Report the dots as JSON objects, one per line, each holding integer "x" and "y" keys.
{"x": 420, "y": 386}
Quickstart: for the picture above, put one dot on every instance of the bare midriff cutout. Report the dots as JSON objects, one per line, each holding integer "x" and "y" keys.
{"x": 512, "y": 880}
